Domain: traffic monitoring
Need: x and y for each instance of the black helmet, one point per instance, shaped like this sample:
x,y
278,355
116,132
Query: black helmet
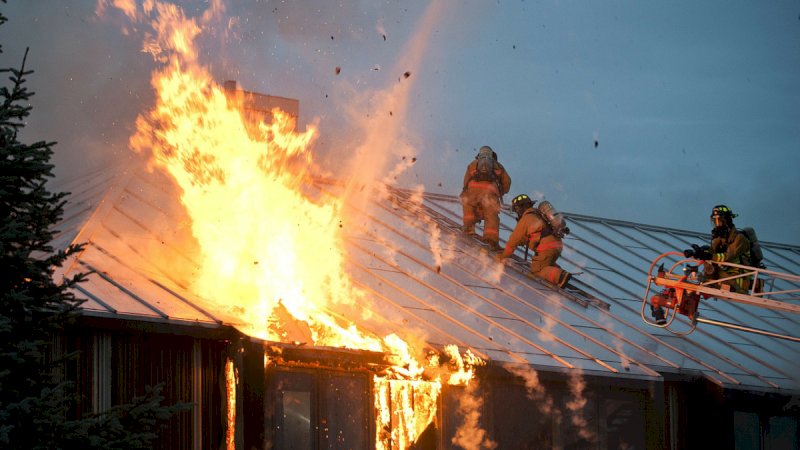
x,y
722,217
520,203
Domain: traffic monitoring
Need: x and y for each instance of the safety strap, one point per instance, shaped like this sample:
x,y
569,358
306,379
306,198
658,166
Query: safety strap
x,y
484,185
549,246
549,226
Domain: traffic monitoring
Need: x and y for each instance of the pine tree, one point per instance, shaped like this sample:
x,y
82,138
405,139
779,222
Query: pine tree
x,y
34,399
32,307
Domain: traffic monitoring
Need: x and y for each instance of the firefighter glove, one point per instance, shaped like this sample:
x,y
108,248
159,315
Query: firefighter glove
x,y
701,253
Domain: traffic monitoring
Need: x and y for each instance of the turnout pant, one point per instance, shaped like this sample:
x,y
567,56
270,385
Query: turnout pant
x,y
543,263
482,204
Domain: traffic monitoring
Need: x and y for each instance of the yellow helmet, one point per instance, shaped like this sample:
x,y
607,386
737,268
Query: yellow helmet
x,y
722,216
520,203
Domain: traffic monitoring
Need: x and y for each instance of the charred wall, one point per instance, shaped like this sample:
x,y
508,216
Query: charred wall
x,y
706,415
320,407
114,363
608,413
304,397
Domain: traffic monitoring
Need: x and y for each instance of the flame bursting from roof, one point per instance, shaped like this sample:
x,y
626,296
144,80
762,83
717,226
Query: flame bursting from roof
x,y
265,244
271,253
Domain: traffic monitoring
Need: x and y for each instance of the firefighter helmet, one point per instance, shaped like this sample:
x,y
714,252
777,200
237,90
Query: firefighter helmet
x,y
722,217
521,203
485,152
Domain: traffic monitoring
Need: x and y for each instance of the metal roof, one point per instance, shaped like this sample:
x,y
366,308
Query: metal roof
x,y
421,274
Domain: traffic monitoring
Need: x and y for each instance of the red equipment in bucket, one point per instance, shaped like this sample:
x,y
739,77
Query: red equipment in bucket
x,y
683,287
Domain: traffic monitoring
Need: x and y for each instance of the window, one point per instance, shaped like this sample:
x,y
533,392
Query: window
x,y
781,433
597,419
296,419
519,422
344,422
747,432
320,410
752,432
294,416
622,420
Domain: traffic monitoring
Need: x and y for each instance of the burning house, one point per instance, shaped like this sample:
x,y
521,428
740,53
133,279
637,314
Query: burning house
x,y
423,341
299,311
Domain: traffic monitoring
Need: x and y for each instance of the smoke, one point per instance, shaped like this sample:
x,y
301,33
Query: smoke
x,y
469,435
384,150
436,243
493,269
434,235
287,49
461,367
86,94
618,344
576,405
364,135
535,389
546,333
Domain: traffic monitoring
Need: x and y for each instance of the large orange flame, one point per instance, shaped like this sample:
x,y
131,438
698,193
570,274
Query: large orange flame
x,y
271,252
263,241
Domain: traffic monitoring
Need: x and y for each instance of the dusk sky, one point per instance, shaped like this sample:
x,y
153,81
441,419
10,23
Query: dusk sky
x,y
650,112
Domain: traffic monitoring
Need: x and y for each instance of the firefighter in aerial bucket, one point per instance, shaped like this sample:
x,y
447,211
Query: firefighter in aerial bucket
x,y
485,183
542,230
727,245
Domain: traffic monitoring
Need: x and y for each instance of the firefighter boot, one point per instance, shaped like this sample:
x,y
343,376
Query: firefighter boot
x,y
658,314
494,246
564,278
659,302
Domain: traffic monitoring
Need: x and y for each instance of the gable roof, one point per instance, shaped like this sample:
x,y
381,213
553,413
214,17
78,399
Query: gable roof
x,y
421,274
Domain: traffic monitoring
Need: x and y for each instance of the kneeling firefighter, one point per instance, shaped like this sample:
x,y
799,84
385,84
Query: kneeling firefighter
x,y
542,230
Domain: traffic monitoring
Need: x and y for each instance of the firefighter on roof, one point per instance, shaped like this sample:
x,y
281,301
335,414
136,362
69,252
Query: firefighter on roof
x,y
485,182
727,245
542,230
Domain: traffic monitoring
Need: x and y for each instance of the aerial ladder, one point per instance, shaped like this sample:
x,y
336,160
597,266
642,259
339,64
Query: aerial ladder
x,y
679,286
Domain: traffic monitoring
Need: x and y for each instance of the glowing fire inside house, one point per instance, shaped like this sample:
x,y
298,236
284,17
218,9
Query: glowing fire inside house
x,y
268,251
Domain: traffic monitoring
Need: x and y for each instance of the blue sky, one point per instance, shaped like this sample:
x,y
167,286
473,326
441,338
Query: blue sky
x,y
690,103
